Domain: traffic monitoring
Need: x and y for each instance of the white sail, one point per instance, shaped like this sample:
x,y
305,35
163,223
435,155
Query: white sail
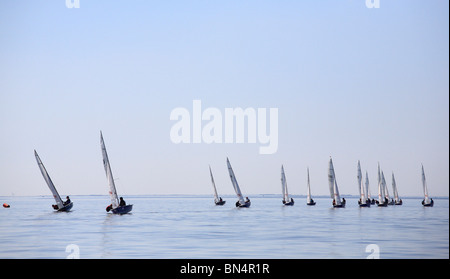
x,y
50,184
425,188
334,190
235,184
284,188
216,197
308,192
394,188
112,186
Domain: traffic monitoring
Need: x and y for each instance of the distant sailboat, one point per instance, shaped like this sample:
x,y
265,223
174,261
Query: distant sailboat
x,y
309,200
381,196
372,201
115,206
386,191
60,205
397,200
284,189
426,201
334,191
241,202
217,200
363,202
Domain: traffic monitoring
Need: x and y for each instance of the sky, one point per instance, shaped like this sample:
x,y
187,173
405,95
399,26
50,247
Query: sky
x,y
350,82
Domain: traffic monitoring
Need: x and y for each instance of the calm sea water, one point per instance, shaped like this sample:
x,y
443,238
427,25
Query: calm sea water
x,y
193,227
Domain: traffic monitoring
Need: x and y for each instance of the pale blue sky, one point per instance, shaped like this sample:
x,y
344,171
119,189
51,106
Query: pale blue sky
x,y
349,82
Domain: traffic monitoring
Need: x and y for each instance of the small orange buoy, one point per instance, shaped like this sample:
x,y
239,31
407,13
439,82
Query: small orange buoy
x,y
5,205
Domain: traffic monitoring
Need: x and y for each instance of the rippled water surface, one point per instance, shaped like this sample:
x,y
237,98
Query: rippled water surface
x,y
193,227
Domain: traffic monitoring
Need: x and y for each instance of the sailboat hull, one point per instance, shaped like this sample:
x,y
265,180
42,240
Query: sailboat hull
x,y
220,202
364,205
123,209
66,208
342,205
311,203
382,204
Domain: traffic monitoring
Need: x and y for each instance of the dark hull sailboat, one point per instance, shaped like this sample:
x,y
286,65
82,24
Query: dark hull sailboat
x,y
123,209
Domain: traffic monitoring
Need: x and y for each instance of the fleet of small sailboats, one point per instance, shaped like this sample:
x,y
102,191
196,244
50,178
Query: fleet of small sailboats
x,y
60,205
118,206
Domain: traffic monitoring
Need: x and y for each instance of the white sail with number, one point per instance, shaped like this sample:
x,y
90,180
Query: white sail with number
x,y
332,183
109,176
49,181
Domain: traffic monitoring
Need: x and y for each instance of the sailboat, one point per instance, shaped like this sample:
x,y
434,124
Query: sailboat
x,y
382,200
217,200
115,206
309,200
372,201
426,200
241,202
381,196
284,189
363,202
386,191
334,191
397,200
60,205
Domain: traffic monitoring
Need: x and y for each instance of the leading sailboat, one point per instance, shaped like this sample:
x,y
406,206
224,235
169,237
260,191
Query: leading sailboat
x,y
241,202
60,205
426,200
217,200
363,201
115,206
284,189
334,191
